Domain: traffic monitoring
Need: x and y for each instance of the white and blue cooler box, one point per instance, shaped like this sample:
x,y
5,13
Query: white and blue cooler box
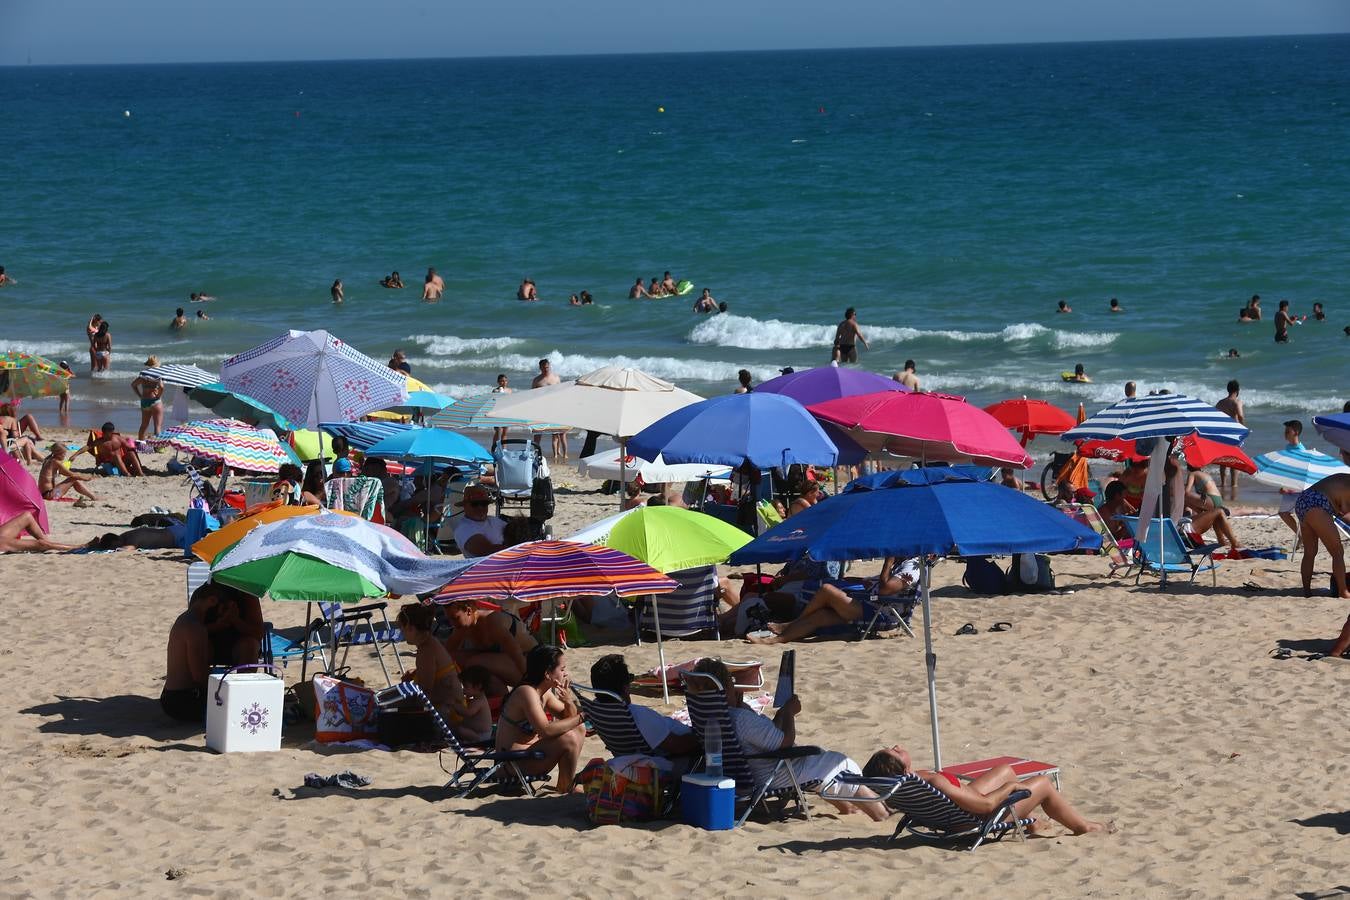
x,y
708,802
243,710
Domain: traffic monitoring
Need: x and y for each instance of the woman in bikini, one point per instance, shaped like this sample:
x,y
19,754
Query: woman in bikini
x,y
101,346
23,534
150,392
539,714
11,434
986,794
1317,509
91,332
434,671
493,639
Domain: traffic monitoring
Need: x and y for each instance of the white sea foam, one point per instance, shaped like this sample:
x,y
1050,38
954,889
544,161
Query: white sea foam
x,y
52,350
568,365
450,345
744,332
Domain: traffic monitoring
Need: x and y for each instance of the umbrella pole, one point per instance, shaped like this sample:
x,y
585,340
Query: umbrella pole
x,y
930,659
660,650
623,470
304,658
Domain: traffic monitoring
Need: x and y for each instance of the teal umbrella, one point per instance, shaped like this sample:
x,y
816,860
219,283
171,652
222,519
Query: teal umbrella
x,y
231,404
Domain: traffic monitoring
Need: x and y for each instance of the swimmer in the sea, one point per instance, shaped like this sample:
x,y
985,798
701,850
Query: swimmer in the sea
x,y
199,298
336,291
1318,313
392,280
655,290
586,298
1115,306
4,278
668,284
574,300
1064,307
637,291
202,316
705,303
526,291
179,320
1080,375
433,288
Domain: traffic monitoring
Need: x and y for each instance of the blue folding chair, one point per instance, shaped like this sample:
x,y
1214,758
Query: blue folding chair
x,y
1176,556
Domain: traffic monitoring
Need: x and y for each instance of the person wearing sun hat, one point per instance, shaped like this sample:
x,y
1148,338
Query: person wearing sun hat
x,y
478,533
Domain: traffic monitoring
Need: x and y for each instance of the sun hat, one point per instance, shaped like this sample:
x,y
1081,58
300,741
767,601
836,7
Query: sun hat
x,y
474,493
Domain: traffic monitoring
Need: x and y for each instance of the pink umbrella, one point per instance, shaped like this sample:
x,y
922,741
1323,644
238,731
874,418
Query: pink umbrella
x,y
19,492
933,427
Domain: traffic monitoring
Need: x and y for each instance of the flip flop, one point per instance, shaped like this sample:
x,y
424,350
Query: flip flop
x,y
968,628
1281,653
1314,657
1001,626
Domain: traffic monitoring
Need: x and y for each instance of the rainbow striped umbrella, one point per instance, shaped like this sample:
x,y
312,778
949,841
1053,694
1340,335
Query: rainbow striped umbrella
x,y
229,441
26,375
554,570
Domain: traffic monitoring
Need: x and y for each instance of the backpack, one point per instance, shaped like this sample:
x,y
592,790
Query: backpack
x,y
542,504
1031,572
983,576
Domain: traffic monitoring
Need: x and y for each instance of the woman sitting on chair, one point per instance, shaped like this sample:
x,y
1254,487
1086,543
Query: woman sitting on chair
x,y
983,796
434,670
491,638
540,714
832,605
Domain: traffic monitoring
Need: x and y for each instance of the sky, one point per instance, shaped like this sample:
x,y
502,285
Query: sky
x,y
149,31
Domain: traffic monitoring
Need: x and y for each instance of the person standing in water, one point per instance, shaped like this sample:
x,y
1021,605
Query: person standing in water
x,y
336,291
1231,406
179,320
433,287
908,376
847,335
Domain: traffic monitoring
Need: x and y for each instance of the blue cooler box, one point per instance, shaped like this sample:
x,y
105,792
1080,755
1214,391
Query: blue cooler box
x,y
708,802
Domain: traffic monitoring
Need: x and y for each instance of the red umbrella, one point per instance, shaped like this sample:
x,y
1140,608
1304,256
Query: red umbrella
x,y
1031,417
1198,451
933,427
1114,449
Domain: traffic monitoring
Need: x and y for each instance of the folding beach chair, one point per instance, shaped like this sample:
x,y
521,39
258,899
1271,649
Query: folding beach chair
x,y
256,492
1176,556
198,574
688,610
710,706
362,495
355,626
517,465
893,611
930,815
279,650
1088,515
477,766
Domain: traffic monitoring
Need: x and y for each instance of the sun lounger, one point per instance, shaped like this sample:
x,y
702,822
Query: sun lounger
x,y
1088,515
710,706
930,815
688,610
477,766
1176,556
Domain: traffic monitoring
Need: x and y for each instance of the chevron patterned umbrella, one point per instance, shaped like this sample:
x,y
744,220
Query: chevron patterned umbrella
x,y
229,441
554,570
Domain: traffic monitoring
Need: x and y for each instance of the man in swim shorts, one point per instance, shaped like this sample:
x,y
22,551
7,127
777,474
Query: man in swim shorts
x,y
846,338
433,287
189,660
668,283
1282,322
1231,406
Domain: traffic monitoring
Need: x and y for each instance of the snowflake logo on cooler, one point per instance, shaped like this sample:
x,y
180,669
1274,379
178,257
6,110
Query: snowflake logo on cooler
x,y
254,719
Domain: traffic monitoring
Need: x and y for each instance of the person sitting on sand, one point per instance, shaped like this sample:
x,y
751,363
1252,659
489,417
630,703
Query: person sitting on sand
x,y
1008,478
705,302
1113,507
434,670
983,796
312,490
114,454
189,660
832,605
16,425
11,433
286,487
760,734
491,638
540,714
1205,511
23,534
56,479
477,725
1080,375
662,733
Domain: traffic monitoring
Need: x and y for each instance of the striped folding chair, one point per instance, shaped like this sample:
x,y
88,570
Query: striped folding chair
x,y
476,766
930,815
608,714
709,706
355,626
688,610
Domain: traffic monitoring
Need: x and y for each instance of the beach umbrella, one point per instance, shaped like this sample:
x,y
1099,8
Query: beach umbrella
x,y
233,405
312,376
808,386
426,448
363,435
420,403
1031,417
1334,428
944,514
226,536
26,375
605,464
1296,468
19,492
179,375
329,557
306,445
1198,452
598,531
932,427
671,539
764,430
553,570
228,441
479,411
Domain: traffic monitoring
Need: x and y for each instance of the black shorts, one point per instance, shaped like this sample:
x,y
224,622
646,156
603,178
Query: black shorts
x,y
187,704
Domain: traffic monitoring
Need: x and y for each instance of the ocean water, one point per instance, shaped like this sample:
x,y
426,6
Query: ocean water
x,y
952,195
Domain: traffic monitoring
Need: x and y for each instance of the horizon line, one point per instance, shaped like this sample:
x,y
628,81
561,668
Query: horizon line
x,y
516,56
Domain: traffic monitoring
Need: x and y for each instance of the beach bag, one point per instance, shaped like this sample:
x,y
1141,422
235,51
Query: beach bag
x,y
542,504
752,614
343,711
615,796
983,576
1031,572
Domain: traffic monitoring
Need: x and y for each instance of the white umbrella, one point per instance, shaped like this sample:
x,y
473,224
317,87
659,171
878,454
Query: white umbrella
x,y
611,400
312,376
605,464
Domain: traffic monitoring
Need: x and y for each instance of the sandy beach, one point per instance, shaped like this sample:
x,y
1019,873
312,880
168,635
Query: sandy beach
x,y
1223,768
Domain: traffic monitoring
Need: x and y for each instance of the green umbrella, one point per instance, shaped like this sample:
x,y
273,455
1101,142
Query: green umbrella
x,y
671,539
297,576
225,402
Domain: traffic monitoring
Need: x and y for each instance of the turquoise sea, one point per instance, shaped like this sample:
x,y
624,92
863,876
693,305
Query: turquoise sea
x,y
953,195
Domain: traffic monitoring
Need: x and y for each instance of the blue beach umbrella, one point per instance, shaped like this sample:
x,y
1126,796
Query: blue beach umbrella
x,y
765,430
952,516
228,404
429,445
1334,428
419,403
1295,468
362,435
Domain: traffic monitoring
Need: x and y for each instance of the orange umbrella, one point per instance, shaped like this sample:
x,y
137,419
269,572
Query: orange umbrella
x,y
211,546
1082,414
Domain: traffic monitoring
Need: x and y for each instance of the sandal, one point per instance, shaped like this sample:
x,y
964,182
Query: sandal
x,y
1282,653
968,628
1001,626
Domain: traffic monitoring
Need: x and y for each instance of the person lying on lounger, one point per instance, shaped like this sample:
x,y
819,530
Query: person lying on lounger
x,y
985,794
832,605
760,734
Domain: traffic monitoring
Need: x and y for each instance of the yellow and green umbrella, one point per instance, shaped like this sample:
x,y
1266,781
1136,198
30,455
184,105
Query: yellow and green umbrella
x,y
671,539
26,375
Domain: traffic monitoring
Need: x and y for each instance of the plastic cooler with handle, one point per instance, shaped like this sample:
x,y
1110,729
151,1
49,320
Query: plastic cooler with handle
x,y
243,709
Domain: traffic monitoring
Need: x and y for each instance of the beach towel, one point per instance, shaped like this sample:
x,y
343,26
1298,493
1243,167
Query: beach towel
x,y
362,495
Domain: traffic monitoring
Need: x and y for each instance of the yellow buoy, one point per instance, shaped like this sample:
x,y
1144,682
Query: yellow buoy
x,y
660,109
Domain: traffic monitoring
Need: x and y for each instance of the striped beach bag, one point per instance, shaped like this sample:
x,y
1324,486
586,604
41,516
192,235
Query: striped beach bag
x,y
615,796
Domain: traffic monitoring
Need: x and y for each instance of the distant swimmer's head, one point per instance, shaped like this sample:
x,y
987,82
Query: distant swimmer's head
x,y
1115,304
1233,353
707,292
1079,370
544,365
786,370
667,275
65,364
1256,298
1244,314
722,307
192,297
1284,304
850,313
501,380
1063,306
1347,334
201,314
178,312
639,280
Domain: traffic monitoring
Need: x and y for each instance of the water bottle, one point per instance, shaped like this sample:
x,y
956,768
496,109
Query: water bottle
x,y
548,532
712,750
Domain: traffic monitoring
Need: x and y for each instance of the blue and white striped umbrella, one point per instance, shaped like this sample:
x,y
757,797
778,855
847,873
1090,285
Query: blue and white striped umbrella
x,y
1159,415
1334,428
1296,468
361,435
179,375
476,412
